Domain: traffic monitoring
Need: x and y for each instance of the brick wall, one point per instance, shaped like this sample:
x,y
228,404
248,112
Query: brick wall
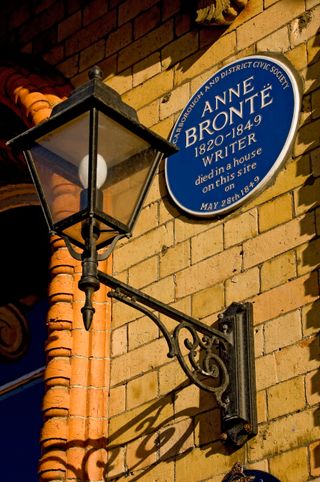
x,y
267,252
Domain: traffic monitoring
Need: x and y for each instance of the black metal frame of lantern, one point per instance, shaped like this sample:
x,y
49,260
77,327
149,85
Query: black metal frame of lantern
x,y
92,163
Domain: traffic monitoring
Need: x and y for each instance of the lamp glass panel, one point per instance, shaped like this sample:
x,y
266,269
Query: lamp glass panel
x,y
129,160
56,157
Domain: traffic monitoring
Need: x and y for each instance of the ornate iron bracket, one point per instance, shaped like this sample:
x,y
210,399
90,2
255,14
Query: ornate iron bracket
x,y
220,361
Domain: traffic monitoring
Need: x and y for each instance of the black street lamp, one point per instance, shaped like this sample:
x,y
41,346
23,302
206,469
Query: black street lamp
x,y
92,163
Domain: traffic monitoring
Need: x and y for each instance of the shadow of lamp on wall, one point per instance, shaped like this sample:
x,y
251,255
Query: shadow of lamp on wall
x,y
92,163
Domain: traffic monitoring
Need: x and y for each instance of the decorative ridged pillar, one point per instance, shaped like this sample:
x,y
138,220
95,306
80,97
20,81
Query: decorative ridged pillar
x,y
73,438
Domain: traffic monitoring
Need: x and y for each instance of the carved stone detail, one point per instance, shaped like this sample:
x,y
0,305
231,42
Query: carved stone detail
x,y
218,12
13,333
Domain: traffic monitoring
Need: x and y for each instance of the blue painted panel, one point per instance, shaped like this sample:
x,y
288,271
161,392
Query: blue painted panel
x,y
233,135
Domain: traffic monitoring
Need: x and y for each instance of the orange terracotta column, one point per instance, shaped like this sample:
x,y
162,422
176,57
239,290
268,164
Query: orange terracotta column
x,y
73,438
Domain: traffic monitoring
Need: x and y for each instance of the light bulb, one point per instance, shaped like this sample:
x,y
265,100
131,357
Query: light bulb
x,y
102,171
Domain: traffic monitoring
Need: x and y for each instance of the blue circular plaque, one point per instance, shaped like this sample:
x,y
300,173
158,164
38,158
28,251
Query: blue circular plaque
x,y
233,135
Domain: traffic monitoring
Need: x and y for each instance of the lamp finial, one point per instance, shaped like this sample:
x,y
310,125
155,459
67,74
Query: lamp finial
x,y
95,73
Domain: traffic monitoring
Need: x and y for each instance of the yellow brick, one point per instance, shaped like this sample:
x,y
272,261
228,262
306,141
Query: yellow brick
x,y
176,102
207,244
191,401
202,61
183,305
297,359
146,69
262,406
312,387
167,212
195,467
198,81
138,361
268,3
141,331
275,42
208,301
315,99
294,174
121,83
258,341
116,461
138,459
278,270
286,397
241,228
243,286
149,115
178,49
310,318
207,427
144,273
301,32
306,197
180,439
150,90
174,259
117,400
135,251
154,193
314,450
145,45
298,56
122,314
184,229
275,212
171,377
278,240
315,157
142,389
119,341
305,139
291,466
269,21
208,272
313,48
308,257
291,431
311,83
261,465
266,373
163,290
134,423
285,298
164,128
163,472
251,10
282,331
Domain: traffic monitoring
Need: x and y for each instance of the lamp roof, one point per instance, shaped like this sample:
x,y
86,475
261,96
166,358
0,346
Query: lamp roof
x,y
93,93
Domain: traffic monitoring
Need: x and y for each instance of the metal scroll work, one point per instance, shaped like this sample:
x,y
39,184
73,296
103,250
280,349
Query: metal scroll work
x,y
218,12
219,361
